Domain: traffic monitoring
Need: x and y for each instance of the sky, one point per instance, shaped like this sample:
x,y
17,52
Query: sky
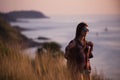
x,y
67,7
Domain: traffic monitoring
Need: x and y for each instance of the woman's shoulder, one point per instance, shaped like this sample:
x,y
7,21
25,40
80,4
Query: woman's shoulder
x,y
74,43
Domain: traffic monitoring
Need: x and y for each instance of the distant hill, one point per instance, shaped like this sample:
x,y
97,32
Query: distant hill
x,y
14,15
8,34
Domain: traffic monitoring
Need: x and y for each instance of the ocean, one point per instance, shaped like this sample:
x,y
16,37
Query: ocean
x,y
104,33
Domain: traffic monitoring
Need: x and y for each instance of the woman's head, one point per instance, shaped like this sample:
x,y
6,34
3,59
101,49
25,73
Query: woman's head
x,y
81,30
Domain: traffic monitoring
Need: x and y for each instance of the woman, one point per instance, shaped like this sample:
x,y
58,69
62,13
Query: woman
x,y
78,53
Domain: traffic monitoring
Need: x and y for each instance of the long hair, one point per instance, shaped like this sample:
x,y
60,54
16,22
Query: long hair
x,y
79,28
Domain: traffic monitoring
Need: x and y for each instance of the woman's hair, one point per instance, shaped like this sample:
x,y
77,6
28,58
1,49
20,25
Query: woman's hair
x,y
79,28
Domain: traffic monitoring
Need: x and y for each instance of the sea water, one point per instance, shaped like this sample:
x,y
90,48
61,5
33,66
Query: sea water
x,y
104,33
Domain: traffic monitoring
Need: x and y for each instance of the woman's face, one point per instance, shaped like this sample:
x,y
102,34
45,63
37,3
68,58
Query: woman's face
x,y
85,31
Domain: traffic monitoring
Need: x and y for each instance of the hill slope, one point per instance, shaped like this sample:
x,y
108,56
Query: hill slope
x,y
8,34
14,15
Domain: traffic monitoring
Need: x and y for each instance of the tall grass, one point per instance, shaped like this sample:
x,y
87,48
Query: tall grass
x,y
51,67
15,65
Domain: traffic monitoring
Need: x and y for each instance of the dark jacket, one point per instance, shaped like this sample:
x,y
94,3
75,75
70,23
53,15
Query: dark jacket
x,y
76,54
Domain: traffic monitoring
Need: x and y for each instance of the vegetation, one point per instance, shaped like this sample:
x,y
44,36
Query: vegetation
x,y
15,65
10,35
53,46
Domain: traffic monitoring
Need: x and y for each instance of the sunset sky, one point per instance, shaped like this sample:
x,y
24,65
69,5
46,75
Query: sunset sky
x,y
67,7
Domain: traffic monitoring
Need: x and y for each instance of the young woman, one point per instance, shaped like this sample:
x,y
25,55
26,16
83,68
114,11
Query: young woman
x,y
78,52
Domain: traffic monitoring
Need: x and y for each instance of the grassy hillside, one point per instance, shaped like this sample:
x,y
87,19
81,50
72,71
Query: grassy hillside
x,y
15,65
8,34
